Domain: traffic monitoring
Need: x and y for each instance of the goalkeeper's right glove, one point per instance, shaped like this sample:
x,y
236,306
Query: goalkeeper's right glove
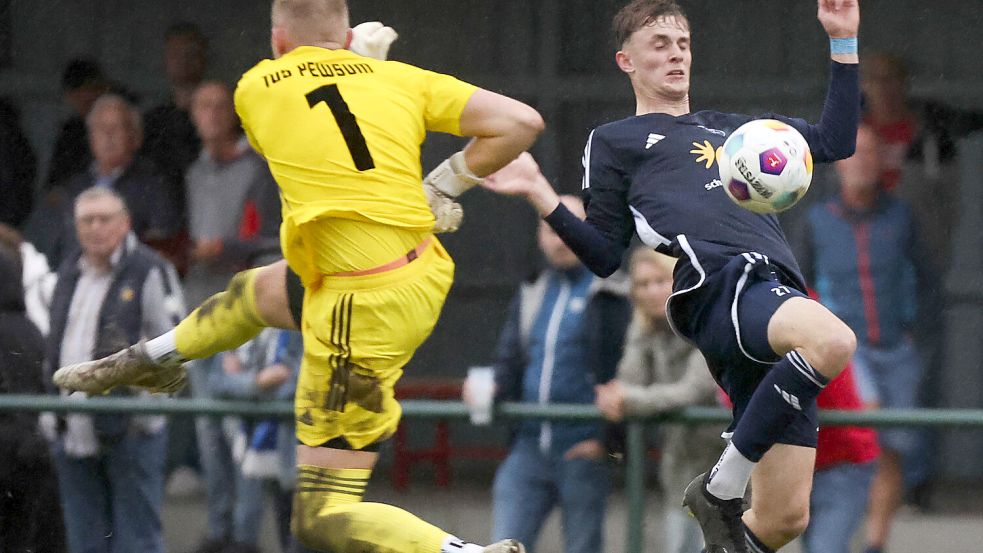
x,y
442,187
372,39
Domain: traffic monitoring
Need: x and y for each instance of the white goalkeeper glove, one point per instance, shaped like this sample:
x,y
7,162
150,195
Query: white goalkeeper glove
x,y
372,39
442,187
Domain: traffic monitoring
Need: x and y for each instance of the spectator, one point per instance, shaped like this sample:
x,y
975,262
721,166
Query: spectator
x,y
115,135
918,140
661,372
17,169
234,208
110,466
234,215
845,464
38,279
29,520
563,335
171,139
82,83
264,368
917,145
869,270
908,130
39,283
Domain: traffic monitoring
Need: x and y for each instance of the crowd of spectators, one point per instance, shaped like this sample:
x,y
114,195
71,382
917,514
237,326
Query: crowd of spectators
x,y
140,214
137,211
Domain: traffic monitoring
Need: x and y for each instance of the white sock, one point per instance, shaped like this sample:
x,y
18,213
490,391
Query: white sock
x,y
162,349
729,477
453,544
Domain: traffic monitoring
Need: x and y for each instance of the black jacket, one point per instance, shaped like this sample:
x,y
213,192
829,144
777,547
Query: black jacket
x,y
155,210
21,356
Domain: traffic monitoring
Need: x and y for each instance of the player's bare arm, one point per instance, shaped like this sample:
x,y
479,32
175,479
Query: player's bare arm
x,y
501,128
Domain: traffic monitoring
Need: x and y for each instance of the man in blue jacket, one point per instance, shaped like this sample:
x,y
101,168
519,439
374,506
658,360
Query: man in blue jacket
x,y
862,256
563,335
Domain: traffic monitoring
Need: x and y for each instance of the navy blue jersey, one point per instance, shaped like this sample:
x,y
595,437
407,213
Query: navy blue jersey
x,y
656,175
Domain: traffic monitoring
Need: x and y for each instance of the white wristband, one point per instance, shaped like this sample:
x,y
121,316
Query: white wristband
x,y
453,177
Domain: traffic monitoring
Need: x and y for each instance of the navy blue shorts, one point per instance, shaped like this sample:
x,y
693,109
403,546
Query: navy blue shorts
x,y
727,318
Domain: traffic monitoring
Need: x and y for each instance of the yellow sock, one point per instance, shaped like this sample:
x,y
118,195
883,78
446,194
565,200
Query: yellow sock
x,y
222,322
329,516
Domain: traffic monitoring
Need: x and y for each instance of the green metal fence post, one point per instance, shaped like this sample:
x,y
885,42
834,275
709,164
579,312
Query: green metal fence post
x,y
635,485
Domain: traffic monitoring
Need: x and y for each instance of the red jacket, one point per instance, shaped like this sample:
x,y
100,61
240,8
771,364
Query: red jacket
x,y
844,444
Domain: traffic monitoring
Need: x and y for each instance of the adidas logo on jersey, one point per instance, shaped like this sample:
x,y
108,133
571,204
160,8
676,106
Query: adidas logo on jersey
x,y
789,398
652,140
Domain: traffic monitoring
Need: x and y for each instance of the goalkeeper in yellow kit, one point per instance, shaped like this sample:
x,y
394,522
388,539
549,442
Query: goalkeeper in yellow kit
x,y
342,136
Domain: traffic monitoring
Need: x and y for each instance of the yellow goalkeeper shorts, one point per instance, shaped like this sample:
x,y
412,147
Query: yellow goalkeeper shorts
x,y
359,332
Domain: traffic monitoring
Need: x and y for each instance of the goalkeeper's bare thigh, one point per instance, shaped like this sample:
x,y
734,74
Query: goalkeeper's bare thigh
x,y
276,287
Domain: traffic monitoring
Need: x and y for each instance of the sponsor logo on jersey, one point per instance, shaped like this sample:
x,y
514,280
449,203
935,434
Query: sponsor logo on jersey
x,y
713,184
705,153
653,139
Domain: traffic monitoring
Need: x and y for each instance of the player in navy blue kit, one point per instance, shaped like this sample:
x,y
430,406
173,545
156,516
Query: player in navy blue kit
x,y
738,292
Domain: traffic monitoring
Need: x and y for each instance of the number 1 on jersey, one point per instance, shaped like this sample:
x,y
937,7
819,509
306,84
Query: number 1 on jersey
x,y
330,95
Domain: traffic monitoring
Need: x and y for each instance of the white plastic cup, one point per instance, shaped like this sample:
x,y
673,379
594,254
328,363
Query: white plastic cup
x,y
480,391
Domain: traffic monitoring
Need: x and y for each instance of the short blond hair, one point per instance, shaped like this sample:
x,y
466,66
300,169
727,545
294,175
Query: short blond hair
x,y
312,21
646,256
649,256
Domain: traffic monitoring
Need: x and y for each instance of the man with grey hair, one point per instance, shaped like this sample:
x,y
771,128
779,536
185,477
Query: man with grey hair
x,y
115,132
111,292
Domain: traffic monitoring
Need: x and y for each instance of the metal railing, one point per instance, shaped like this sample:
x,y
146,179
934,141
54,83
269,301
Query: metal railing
x,y
423,409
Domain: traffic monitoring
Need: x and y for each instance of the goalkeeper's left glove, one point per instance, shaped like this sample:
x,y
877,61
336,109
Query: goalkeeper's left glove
x,y
372,39
442,187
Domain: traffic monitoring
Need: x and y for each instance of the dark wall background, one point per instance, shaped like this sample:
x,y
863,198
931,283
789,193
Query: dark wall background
x,y
750,55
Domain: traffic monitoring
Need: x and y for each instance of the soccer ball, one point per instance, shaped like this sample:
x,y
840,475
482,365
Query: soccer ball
x,y
765,166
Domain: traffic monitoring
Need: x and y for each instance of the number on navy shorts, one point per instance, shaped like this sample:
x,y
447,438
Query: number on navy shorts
x,y
354,139
781,291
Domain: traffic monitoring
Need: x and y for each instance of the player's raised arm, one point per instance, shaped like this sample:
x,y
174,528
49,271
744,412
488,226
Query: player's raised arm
x,y
502,128
834,136
841,19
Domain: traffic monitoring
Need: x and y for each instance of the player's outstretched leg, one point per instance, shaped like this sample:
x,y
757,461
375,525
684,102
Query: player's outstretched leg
x,y
254,299
329,515
782,409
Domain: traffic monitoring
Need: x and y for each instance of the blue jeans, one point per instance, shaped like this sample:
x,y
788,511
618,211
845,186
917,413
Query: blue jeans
x,y
892,377
529,484
215,456
112,501
837,507
250,504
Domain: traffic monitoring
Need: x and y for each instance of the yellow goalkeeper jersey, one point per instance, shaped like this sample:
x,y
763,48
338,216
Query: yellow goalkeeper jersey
x,y
342,136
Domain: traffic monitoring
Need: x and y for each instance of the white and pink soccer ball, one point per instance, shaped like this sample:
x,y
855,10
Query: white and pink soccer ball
x,y
765,166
